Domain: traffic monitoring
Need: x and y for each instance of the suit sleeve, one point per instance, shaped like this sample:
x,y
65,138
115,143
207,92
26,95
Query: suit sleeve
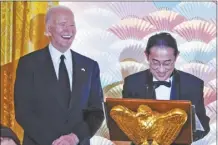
x,y
201,113
93,115
96,116
33,126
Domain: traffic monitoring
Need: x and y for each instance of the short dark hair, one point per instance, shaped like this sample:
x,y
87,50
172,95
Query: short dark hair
x,y
162,39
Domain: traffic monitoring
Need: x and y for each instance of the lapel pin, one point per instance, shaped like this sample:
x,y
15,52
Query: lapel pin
x,y
82,69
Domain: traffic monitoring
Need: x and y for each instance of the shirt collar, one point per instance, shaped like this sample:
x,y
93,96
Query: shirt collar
x,y
55,54
167,80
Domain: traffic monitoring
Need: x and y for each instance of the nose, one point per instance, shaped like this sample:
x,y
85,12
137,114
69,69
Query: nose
x,y
66,28
161,69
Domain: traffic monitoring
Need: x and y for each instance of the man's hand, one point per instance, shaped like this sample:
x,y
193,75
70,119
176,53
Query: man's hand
x,y
7,141
70,139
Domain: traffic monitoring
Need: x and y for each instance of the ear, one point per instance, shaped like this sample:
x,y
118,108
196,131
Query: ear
x,y
48,30
147,56
177,55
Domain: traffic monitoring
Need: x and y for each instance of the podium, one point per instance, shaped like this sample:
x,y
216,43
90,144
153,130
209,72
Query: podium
x,y
116,134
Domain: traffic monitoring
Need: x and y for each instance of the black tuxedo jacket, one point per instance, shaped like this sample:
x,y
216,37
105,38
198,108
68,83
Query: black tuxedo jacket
x,y
39,106
184,87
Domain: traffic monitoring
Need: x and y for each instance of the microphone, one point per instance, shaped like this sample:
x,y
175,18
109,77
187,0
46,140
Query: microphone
x,y
150,90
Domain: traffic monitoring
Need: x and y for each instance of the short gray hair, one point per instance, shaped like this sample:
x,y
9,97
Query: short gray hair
x,y
52,9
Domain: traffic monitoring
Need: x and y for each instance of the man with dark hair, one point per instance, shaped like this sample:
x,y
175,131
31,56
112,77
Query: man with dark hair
x,y
163,82
58,94
8,137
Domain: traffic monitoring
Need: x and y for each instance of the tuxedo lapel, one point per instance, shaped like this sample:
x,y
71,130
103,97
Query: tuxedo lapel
x,y
48,68
150,90
49,76
79,76
175,89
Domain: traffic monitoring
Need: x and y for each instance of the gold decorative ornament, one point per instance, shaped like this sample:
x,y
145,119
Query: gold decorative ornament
x,y
146,125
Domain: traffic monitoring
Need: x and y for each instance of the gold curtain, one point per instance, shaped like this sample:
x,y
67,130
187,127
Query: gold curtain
x,y
22,31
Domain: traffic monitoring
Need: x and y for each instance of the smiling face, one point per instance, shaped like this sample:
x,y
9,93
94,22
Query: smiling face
x,y
161,61
61,28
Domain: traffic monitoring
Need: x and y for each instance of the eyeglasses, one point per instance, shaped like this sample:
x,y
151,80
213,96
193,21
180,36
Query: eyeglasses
x,y
154,64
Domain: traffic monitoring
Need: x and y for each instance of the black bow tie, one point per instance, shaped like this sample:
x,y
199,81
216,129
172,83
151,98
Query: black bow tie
x,y
158,83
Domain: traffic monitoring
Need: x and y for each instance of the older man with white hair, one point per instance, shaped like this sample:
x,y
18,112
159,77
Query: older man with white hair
x,y
58,94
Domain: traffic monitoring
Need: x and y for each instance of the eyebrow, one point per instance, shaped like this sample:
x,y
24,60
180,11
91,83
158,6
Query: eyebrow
x,y
66,23
159,60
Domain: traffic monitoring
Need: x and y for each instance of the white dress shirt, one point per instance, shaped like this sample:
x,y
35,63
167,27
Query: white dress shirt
x,y
55,56
163,92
